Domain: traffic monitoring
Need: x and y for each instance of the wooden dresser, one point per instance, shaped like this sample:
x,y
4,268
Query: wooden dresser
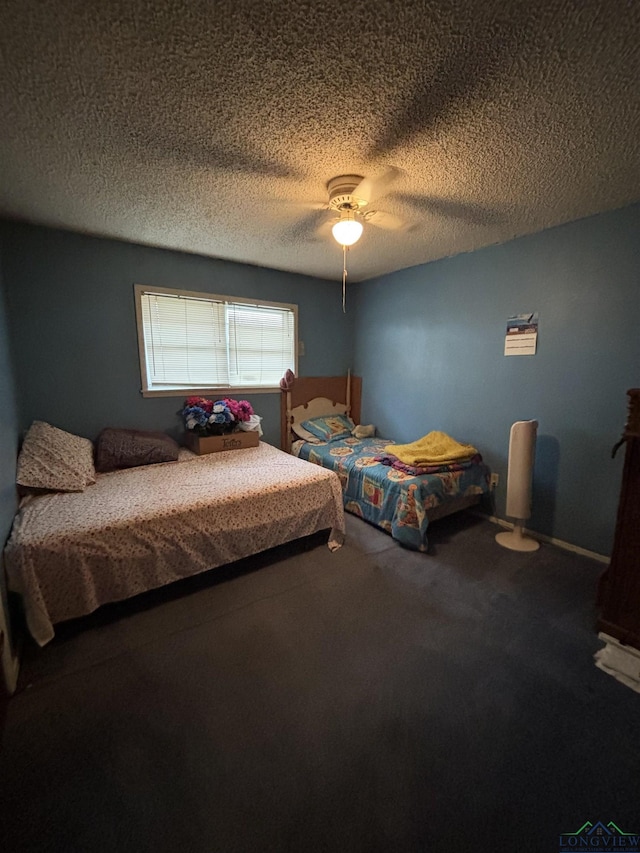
x,y
619,586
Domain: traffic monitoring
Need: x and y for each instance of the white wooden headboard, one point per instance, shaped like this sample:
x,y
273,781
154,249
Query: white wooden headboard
x,y
316,408
315,396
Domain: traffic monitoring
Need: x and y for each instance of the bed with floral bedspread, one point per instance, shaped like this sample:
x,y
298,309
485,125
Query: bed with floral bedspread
x,y
136,529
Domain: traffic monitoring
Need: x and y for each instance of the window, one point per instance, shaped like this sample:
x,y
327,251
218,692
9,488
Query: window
x,y
198,341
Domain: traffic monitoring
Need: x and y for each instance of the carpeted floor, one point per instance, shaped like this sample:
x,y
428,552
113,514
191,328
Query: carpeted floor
x,y
373,699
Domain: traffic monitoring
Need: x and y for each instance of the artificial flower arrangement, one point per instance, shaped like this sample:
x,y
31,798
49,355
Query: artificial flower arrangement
x,y
214,417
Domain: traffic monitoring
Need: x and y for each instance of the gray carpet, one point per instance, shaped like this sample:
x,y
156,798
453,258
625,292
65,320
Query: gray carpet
x,y
373,699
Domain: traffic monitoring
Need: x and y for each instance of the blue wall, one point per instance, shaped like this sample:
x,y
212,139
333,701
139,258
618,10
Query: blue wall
x,y
429,343
72,312
8,453
8,425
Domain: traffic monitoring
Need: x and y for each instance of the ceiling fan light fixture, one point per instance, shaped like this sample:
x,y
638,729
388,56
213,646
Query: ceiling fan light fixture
x,y
347,230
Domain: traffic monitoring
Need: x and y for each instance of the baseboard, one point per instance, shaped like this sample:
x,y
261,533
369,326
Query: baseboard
x,y
576,549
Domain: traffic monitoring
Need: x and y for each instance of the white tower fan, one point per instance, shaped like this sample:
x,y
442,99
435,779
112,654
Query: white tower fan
x,y
522,449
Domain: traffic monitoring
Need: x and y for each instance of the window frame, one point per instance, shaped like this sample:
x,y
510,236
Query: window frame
x,y
147,391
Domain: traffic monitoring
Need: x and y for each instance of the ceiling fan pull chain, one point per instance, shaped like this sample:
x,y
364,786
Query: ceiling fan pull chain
x,y
344,279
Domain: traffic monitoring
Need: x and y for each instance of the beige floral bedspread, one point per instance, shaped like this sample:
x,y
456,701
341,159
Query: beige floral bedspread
x,y
141,528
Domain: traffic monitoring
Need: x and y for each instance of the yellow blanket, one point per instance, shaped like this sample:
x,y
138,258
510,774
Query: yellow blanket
x,y
435,448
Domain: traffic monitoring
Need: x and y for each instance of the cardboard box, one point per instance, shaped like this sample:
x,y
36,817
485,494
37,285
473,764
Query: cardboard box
x,y
215,443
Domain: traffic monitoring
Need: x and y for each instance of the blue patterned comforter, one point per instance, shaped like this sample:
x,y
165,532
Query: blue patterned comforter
x,y
392,500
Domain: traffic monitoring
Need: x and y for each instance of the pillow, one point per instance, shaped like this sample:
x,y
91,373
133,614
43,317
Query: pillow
x,y
330,427
364,431
129,448
55,460
304,434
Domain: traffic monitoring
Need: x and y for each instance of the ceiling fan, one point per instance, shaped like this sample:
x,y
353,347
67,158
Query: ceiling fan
x,y
350,197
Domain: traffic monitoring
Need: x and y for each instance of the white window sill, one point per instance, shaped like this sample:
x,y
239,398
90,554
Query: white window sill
x,y
207,392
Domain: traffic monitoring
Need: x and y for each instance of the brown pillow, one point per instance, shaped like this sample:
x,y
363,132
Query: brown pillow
x,y
129,448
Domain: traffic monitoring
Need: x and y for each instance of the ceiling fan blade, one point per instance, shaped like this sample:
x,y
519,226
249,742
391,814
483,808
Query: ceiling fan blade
x,y
476,214
314,226
324,229
385,220
375,186
299,205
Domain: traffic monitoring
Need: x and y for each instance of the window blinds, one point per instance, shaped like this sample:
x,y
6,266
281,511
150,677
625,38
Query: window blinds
x,y
203,343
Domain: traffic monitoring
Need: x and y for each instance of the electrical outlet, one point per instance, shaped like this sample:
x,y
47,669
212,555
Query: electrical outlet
x,y
493,482
300,347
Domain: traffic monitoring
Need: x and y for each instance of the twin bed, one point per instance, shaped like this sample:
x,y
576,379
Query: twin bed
x,y
398,502
132,530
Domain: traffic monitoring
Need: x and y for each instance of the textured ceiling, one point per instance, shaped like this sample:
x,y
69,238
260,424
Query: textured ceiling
x,y
213,127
